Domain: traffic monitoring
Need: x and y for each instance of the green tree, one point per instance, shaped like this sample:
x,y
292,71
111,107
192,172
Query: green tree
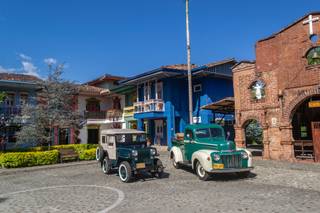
x,y
54,108
254,133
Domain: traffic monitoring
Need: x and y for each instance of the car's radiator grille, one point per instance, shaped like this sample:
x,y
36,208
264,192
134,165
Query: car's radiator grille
x,y
231,161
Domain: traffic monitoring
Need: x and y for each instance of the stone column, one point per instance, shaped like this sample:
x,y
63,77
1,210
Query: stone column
x,y
240,137
287,143
266,144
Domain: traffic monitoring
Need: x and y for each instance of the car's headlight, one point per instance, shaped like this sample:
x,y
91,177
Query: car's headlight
x,y
244,155
153,151
216,157
134,153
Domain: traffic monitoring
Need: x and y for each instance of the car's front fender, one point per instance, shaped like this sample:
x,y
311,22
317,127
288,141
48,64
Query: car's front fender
x,y
204,157
250,163
176,151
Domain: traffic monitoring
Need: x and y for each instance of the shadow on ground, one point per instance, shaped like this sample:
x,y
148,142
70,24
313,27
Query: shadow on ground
x,y
222,177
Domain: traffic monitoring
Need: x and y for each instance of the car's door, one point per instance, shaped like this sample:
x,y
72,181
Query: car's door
x,y
189,144
111,147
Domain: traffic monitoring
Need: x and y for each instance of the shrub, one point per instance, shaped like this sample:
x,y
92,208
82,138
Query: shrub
x,y
24,159
89,154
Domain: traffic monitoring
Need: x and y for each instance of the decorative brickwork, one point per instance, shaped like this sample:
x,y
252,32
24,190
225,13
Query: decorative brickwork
x,y
282,65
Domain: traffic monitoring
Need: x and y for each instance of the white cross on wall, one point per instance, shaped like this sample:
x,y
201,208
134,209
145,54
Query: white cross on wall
x,y
310,22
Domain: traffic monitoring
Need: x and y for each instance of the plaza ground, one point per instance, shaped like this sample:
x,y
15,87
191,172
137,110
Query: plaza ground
x,y
273,187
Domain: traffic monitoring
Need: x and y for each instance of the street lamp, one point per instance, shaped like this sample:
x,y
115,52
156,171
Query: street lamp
x,y
189,63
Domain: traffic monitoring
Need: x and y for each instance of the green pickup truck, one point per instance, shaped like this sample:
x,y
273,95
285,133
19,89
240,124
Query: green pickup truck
x,y
205,148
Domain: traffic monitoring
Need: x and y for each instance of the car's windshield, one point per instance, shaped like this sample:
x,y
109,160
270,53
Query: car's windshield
x,y
208,133
131,138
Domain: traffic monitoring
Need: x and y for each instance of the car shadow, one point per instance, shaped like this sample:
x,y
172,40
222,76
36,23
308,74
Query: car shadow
x,y
220,176
3,199
148,177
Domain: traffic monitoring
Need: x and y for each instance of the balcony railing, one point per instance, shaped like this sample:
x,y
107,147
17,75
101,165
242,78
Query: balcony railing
x,y
110,115
114,115
95,115
152,105
128,111
9,111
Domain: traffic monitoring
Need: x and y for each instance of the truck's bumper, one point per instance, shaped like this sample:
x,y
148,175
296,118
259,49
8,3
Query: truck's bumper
x,y
231,170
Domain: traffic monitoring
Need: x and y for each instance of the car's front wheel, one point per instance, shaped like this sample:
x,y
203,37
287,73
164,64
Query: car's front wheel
x,y
125,172
201,172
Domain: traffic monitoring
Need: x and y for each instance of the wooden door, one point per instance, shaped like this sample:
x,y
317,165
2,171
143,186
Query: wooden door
x,y
316,140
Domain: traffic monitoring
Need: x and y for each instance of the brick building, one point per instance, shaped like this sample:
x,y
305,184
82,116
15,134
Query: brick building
x,y
281,91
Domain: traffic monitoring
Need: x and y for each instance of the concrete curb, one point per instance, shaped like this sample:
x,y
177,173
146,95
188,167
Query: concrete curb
x,y
5,171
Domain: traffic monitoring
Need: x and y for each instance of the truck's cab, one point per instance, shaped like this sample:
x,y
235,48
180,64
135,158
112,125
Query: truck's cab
x,y
205,148
126,150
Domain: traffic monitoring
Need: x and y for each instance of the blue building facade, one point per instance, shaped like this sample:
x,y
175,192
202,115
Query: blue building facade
x,y
161,108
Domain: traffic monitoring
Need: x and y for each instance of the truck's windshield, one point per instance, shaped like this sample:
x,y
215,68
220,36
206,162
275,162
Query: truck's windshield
x,y
209,133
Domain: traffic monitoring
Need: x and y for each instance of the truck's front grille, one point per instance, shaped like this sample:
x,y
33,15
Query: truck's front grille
x,y
231,161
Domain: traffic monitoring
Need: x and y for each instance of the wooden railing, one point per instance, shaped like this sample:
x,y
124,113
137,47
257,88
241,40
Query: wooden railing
x,y
128,111
152,105
111,115
303,149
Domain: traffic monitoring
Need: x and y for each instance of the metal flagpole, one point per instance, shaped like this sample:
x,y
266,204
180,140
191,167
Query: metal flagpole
x,y
189,63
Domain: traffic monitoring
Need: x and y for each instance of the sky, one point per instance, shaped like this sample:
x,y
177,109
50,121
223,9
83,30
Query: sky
x,y
125,37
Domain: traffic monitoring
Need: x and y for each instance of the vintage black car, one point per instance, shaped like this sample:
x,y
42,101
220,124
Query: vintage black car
x,y
126,150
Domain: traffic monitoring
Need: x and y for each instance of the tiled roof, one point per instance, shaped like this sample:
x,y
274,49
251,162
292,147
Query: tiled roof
x,y
103,78
179,66
86,89
18,77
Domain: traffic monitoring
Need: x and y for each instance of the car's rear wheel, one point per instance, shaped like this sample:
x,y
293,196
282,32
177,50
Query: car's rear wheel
x,y
125,172
99,154
106,166
174,162
201,172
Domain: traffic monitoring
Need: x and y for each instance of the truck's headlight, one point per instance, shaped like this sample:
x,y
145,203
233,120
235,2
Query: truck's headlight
x,y
134,153
153,151
216,157
244,155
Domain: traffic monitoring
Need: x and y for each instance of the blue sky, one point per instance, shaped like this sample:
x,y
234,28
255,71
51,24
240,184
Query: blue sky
x,y
126,37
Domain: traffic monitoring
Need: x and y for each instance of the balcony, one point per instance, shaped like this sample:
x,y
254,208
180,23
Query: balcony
x,y
128,111
108,115
114,115
95,115
10,111
152,105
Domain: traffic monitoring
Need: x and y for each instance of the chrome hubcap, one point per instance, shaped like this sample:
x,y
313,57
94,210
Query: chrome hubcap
x,y
123,172
201,171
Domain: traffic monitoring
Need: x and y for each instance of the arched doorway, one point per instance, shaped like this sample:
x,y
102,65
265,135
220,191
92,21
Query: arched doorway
x,y
304,127
254,137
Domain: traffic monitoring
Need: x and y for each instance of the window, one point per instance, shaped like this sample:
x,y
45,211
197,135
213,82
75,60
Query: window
x,y
258,90
189,134
197,88
24,99
203,133
216,133
159,90
93,105
313,56
103,139
10,99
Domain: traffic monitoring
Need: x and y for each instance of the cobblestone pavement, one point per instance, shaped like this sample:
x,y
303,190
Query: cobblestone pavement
x,y
273,187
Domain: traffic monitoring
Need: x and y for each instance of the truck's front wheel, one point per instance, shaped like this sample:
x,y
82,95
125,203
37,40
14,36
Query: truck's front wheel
x,y
125,172
174,162
201,172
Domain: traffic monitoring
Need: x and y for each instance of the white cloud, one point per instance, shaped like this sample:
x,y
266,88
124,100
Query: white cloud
x,y
25,57
29,68
2,69
50,61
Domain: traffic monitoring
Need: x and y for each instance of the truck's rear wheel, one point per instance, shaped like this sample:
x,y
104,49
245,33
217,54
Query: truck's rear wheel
x,y
125,172
201,172
174,162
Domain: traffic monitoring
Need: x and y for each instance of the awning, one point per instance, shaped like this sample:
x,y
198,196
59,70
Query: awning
x,y
223,106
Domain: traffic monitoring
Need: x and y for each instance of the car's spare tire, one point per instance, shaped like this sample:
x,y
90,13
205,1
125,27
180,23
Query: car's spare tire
x,y
99,154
